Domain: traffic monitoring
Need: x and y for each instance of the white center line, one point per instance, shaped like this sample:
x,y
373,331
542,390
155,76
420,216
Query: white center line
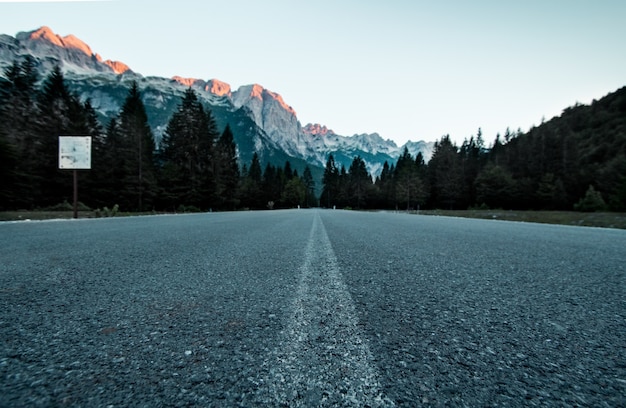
x,y
323,358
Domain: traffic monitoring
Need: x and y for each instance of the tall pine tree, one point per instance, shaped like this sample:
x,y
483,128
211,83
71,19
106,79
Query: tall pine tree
x,y
330,180
136,150
227,170
187,155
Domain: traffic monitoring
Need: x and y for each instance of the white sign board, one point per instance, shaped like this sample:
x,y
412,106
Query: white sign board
x,y
75,152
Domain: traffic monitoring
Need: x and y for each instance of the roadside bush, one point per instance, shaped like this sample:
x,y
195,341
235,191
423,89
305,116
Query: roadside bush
x,y
106,212
591,202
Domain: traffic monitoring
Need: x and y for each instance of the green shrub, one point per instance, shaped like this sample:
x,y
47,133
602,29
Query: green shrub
x,y
591,202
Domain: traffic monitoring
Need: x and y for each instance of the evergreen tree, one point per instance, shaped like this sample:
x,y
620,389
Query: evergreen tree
x,y
309,188
494,187
137,150
408,185
271,186
110,166
251,194
330,180
227,170
91,192
294,193
60,114
187,155
445,175
591,202
18,113
385,188
471,160
359,183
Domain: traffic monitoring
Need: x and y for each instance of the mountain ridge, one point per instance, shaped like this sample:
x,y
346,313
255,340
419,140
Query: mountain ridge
x,y
278,132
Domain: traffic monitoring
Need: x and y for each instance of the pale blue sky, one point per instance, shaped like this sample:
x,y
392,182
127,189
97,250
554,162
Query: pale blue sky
x,y
409,70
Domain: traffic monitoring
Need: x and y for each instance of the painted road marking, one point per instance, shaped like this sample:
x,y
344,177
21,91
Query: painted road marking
x,y
323,358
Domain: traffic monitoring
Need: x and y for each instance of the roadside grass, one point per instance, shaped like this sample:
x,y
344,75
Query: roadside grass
x,y
592,219
587,219
55,215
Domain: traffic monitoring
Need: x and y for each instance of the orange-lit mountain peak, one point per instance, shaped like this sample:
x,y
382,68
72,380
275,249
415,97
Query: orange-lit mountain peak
x,y
315,129
282,103
257,91
218,87
46,33
189,82
70,41
117,67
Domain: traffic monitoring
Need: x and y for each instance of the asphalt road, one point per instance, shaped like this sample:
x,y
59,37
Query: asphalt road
x,y
311,308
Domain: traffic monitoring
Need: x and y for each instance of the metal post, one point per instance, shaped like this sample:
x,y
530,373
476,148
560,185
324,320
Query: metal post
x,y
75,194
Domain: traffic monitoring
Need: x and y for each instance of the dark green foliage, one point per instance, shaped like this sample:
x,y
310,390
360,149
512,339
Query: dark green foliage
x,y
359,184
136,151
408,176
549,167
226,171
309,188
187,156
18,109
294,193
445,176
494,187
250,190
592,201
330,180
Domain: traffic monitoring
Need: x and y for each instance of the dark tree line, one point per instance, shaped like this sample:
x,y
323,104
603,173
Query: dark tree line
x,y
575,161
276,187
31,120
195,167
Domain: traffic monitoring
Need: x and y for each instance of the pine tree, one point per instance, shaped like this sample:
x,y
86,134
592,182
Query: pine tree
x,y
227,170
495,187
91,192
360,183
591,202
60,114
251,193
330,180
18,111
271,185
137,150
294,193
309,188
385,188
408,185
187,155
446,179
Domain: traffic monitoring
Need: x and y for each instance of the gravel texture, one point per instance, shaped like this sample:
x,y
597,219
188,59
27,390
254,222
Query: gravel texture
x,y
311,308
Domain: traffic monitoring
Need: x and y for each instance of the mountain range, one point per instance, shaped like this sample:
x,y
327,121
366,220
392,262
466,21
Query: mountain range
x,y
261,120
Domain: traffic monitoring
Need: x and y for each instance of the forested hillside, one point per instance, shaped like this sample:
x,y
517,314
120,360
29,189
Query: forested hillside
x,y
574,161
195,167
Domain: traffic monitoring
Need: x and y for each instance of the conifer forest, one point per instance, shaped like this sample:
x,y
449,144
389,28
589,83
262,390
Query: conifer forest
x,y
576,161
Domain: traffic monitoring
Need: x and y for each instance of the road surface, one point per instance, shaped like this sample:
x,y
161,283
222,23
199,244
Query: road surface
x,y
311,308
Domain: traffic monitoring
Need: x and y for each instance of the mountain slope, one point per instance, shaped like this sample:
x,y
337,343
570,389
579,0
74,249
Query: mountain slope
x,y
260,119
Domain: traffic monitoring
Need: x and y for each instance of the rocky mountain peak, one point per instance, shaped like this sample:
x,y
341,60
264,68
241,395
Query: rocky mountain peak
x,y
218,88
46,34
315,129
246,93
276,131
66,50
